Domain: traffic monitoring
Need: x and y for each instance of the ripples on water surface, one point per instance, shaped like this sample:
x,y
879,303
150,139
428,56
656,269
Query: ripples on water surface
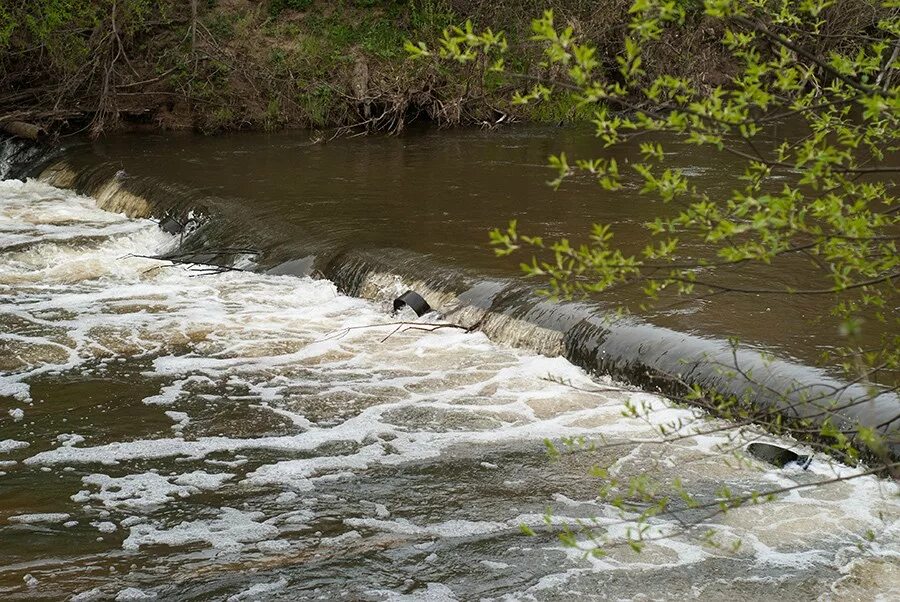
x,y
438,192
234,436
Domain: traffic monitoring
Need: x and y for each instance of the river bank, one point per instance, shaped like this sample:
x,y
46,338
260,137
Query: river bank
x,y
271,64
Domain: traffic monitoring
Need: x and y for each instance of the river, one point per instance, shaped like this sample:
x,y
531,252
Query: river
x,y
174,433
438,193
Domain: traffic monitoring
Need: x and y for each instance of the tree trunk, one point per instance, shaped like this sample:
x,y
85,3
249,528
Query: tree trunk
x,y
20,129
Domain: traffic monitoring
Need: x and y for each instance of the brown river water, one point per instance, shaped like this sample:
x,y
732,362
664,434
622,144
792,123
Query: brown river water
x,y
438,193
172,434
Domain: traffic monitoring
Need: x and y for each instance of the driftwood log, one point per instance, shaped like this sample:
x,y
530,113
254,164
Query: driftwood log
x,y
21,129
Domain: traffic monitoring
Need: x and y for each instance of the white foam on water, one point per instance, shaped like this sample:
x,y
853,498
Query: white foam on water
x,y
179,417
69,439
36,212
229,532
433,592
16,390
294,517
297,352
259,591
296,473
276,547
60,272
342,539
8,445
104,526
147,491
31,519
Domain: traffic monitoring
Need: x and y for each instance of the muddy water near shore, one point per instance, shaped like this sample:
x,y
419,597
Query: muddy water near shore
x,y
242,436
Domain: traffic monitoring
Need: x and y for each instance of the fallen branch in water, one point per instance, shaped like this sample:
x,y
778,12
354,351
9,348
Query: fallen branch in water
x,y
610,389
202,269
423,326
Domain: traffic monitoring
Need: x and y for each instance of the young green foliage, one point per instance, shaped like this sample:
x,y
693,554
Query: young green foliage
x,y
825,189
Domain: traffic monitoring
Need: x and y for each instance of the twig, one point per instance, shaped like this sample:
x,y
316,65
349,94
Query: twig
x,y
413,326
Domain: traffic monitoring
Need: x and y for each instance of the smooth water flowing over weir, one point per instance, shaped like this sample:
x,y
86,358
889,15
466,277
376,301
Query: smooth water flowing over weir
x,y
248,435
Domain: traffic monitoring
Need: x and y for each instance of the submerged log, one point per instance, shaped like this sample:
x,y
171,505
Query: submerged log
x,y
21,129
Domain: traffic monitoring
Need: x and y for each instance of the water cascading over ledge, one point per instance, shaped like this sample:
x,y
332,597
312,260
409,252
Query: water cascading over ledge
x,y
19,156
507,311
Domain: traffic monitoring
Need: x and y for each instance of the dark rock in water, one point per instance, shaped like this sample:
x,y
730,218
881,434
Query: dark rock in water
x,y
170,225
778,456
414,301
